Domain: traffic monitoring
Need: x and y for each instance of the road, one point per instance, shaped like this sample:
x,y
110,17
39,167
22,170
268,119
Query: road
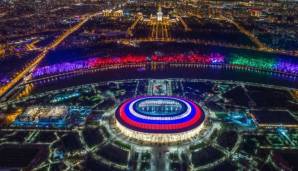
x,y
204,42
251,36
186,28
22,74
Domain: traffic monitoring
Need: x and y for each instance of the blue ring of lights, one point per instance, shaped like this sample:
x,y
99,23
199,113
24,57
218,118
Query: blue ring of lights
x,y
176,123
182,110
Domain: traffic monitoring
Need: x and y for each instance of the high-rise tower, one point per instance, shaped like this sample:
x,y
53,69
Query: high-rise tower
x,y
159,13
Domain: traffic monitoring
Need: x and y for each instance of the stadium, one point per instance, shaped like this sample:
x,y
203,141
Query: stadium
x,y
148,86
159,119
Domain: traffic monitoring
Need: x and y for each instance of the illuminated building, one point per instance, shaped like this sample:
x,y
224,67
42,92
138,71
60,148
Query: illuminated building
x,y
118,13
159,119
106,13
159,14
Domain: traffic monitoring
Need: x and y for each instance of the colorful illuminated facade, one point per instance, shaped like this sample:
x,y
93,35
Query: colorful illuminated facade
x,y
159,119
54,116
279,64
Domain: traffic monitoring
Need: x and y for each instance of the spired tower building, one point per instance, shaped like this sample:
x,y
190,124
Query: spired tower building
x,y
159,13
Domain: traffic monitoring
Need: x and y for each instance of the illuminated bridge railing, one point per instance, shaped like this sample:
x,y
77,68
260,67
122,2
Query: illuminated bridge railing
x,y
272,64
279,65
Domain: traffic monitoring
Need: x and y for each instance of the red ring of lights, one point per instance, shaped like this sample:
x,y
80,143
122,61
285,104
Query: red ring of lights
x,y
126,118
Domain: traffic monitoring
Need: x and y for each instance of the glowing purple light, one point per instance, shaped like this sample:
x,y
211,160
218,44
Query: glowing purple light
x,y
217,58
287,66
60,68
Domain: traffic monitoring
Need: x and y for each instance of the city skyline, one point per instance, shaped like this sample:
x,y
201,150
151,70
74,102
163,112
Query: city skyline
x,y
140,85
